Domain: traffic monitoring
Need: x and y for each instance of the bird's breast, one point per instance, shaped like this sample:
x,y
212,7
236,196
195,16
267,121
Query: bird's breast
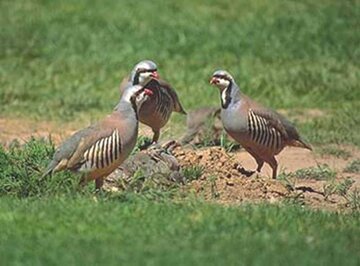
x,y
233,121
157,111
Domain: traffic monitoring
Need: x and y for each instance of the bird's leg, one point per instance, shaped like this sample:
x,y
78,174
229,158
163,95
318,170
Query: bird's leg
x,y
83,181
99,182
260,165
155,139
259,161
156,136
273,164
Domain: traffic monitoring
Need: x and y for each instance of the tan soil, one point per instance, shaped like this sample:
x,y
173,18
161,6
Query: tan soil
x,y
22,130
222,182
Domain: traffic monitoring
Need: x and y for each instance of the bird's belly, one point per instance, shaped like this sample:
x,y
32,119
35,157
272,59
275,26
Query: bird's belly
x,y
96,173
240,136
153,116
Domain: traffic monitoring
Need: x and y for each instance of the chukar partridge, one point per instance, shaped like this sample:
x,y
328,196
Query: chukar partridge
x,y
199,121
156,112
261,131
99,149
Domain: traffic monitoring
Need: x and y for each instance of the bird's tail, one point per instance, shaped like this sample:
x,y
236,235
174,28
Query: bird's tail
x,y
301,144
46,173
49,169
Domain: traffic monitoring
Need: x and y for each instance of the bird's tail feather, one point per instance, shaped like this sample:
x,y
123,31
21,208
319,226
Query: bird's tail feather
x,y
46,173
49,170
301,144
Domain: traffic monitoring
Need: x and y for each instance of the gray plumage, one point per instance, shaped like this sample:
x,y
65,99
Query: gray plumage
x,y
156,112
261,131
100,148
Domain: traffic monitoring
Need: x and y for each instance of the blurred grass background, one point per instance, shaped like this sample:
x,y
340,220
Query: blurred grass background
x,y
63,60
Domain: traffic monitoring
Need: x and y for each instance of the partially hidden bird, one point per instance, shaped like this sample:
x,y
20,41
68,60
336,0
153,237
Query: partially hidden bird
x,y
99,149
156,112
261,131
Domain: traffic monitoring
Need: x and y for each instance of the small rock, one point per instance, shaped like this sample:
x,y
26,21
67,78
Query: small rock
x,y
230,183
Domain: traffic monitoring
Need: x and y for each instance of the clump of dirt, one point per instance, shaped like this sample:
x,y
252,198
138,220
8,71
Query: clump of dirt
x,y
214,160
222,182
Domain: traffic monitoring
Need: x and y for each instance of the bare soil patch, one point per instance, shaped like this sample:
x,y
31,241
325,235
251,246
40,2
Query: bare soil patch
x,y
222,182
22,130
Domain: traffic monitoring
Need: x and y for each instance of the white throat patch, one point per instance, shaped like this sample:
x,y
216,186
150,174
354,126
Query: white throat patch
x,y
223,95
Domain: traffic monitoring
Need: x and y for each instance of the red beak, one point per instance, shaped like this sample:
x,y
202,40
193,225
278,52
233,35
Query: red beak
x,y
214,81
155,75
148,92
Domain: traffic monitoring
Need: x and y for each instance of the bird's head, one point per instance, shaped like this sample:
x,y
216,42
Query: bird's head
x,y
143,72
221,79
136,95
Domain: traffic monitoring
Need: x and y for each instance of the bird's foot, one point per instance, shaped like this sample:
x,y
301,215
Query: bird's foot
x,y
146,145
245,172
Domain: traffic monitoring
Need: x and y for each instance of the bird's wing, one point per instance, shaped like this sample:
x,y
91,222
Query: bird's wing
x,y
279,122
124,84
92,147
97,150
171,91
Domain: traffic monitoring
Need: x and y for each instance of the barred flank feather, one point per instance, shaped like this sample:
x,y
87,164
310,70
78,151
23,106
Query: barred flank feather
x,y
104,152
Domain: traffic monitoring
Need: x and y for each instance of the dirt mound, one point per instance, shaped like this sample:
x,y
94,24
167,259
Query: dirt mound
x,y
222,182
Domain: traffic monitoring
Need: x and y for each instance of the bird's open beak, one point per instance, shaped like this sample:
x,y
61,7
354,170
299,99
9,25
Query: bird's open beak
x,y
148,92
214,81
155,75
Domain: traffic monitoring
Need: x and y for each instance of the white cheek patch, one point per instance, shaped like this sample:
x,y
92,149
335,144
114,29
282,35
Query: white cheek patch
x,y
223,96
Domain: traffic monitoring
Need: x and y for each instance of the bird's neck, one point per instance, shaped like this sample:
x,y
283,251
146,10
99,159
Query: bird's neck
x,y
134,78
128,109
230,95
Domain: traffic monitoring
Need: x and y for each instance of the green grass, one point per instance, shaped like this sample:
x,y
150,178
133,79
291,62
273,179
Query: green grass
x,y
21,168
63,60
193,172
353,167
335,151
112,232
319,172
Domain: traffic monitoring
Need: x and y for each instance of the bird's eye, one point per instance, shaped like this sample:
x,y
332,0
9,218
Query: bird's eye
x,y
140,70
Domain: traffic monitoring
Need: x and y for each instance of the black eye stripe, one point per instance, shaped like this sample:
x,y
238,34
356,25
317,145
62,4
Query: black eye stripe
x,y
222,77
146,70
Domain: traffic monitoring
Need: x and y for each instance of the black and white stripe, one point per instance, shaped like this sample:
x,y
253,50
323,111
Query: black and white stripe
x,y
163,103
136,79
103,152
262,133
226,96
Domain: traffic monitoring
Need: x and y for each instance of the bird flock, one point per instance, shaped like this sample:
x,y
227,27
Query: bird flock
x,y
96,151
